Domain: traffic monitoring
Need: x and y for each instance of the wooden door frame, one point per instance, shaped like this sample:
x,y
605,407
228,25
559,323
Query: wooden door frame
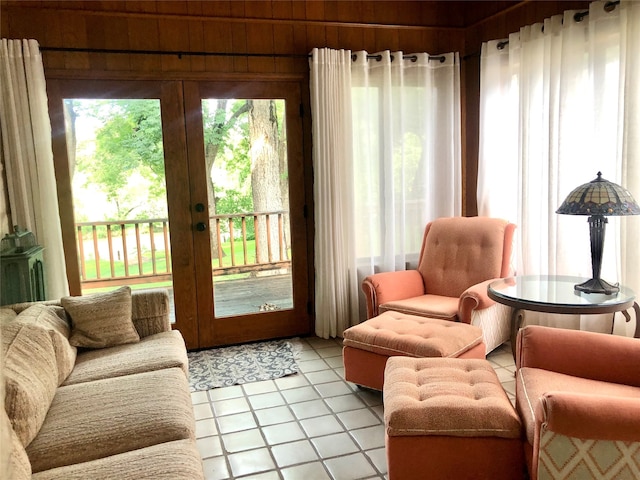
x,y
169,93
272,324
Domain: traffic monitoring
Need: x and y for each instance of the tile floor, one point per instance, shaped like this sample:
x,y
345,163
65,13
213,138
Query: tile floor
x,y
312,425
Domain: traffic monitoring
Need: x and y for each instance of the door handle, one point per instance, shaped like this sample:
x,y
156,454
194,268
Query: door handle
x,y
201,226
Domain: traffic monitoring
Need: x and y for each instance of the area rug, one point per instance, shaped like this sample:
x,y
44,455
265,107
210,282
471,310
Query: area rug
x,y
239,364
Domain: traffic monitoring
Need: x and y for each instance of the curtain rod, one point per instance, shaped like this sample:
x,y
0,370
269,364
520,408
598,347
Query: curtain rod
x,y
413,58
177,53
578,17
180,54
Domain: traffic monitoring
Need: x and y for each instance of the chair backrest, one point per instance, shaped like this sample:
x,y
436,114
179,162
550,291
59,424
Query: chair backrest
x,y
459,252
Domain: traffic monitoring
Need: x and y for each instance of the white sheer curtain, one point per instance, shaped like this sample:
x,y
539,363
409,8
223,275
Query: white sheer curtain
x,y
386,147
558,103
27,156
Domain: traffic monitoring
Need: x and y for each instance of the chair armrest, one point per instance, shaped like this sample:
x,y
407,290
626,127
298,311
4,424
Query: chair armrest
x,y
386,287
150,311
589,416
474,298
597,356
594,426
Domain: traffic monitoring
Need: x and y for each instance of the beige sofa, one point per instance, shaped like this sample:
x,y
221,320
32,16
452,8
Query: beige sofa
x,y
96,387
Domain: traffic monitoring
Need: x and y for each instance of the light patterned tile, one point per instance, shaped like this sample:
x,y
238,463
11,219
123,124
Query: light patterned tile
x,y
308,471
334,445
293,453
251,462
215,468
282,433
350,467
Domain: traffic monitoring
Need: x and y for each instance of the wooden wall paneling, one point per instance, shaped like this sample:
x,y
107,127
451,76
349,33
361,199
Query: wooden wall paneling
x,y
316,36
217,38
118,39
239,37
260,40
386,39
52,36
284,39
173,7
258,9
108,5
369,40
350,11
174,35
96,38
239,45
216,8
29,26
282,10
351,38
331,12
385,13
314,10
409,13
143,35
196,36
332,39
74,34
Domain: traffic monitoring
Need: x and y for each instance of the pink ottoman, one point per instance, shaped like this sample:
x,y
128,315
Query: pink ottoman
x,y
449,418
368,345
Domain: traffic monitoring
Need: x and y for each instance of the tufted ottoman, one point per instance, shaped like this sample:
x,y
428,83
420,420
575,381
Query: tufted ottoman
x,y
449,419
368,345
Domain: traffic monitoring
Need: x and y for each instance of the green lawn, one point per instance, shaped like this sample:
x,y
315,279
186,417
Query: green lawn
x,y
161,262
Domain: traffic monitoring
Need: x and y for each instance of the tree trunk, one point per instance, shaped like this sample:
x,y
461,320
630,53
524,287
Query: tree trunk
x,y
265,175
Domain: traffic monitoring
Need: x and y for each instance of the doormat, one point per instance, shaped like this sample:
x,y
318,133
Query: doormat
x,y
239,364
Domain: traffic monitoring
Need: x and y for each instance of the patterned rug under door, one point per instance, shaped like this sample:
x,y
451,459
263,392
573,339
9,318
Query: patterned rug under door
x,y
252,362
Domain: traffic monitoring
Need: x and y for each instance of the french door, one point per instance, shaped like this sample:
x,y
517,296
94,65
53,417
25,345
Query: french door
x,y
235,237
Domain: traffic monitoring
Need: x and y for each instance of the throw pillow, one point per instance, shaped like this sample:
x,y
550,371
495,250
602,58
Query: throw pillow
x,y
53,319
31,377
102,319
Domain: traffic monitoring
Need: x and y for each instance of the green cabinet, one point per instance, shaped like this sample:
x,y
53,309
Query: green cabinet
x,y
22,276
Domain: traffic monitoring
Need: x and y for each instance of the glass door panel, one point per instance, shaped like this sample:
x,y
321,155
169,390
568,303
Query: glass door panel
x,y
248,200
116,163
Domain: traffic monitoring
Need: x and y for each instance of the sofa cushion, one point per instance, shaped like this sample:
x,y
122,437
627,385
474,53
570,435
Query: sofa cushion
x,y
54,321
101,319
93,420
14,462
532,383
162,350
179,459
31,376
6,315
432,306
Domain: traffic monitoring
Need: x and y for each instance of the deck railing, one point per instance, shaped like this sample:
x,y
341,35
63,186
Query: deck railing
x,y
128,252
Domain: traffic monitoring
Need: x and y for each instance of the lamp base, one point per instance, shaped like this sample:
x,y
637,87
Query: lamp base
x,y
597,285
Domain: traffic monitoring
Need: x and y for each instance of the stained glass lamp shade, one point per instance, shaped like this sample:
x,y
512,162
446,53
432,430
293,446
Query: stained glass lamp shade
x,y
598,198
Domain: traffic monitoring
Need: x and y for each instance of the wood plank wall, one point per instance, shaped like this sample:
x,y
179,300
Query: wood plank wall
x,y
270,27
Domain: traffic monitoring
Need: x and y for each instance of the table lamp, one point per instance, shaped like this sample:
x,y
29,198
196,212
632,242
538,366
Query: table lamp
x,y
599,198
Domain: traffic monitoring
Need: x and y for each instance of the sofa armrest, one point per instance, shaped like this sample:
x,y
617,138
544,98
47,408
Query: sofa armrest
x,y
597,356
593,426
474,298
386,287
150,311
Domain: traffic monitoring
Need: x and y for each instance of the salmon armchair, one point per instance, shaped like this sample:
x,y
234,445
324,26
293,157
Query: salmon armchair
x,y
578,396
459,257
